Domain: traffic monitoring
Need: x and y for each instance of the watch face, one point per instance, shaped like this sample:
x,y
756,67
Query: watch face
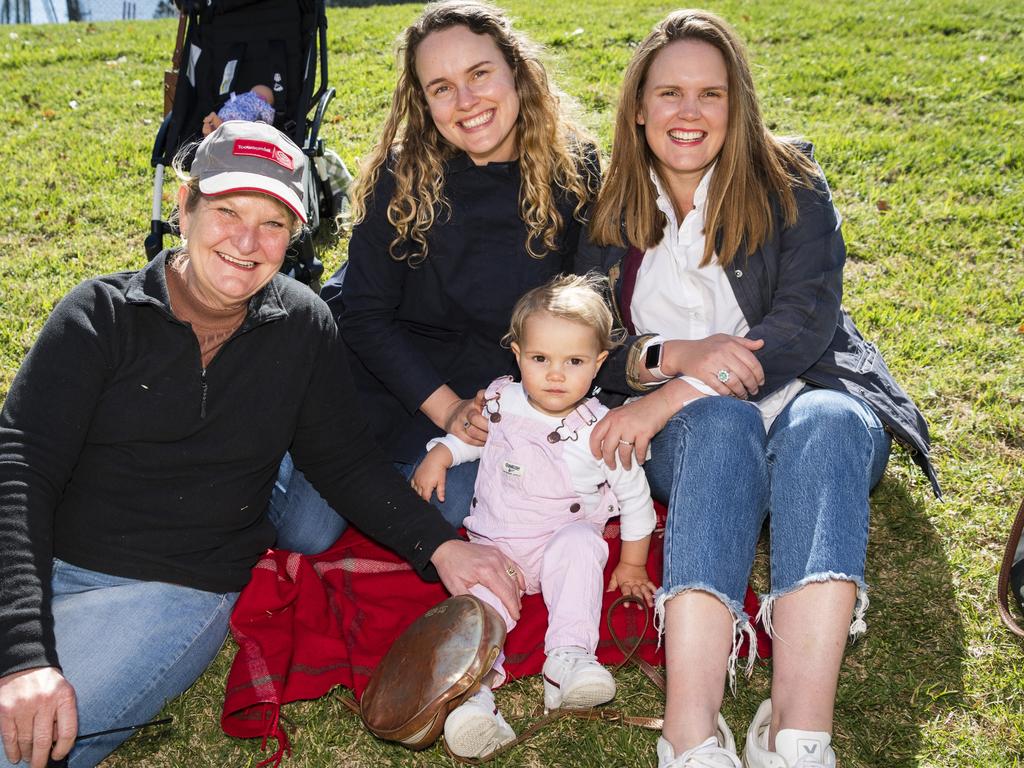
x,y
653,357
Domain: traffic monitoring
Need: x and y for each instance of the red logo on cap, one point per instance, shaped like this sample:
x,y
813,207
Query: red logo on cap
x,y
264,149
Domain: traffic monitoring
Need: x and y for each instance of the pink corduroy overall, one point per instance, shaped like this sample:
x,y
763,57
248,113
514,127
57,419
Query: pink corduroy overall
x,y
525,505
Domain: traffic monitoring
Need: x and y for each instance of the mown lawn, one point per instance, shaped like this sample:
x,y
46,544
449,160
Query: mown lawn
x,y
916,112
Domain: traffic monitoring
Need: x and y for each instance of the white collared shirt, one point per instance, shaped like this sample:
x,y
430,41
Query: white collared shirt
x,y
678,299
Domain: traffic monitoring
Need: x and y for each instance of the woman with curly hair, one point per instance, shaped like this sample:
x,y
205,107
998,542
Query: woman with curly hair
x,y
473,195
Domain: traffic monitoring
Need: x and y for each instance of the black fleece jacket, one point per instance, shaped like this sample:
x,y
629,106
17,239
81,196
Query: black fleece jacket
x,y
119,453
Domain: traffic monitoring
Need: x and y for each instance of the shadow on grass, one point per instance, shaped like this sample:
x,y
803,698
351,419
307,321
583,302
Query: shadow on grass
x,y
907,670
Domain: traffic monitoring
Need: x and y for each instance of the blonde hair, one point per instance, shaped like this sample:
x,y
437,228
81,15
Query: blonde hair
x,y
552,147
753,168
579,298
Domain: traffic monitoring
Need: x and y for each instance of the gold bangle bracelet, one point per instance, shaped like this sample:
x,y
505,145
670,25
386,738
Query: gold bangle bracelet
x,y
633,365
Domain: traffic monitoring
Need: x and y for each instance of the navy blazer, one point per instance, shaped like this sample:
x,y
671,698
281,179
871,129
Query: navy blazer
x,y
790,291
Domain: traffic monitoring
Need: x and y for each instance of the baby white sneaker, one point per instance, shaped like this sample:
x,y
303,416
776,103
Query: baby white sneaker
x,y
793,748
476,727
574,678
719,751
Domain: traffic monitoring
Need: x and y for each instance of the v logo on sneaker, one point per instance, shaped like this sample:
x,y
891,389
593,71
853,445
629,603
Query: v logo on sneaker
x,y
793,748
808,747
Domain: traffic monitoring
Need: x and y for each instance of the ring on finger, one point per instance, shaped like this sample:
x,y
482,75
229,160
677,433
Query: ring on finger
x,y
511,571
724,375
625,442
465,424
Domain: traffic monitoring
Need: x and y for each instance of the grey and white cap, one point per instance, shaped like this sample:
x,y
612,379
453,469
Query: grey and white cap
x,y
244,156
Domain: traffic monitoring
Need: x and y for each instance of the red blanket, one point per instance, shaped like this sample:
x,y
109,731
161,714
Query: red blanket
x,y
307,624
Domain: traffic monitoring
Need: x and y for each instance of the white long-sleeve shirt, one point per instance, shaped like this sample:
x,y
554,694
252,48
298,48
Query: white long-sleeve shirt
x,y
676,298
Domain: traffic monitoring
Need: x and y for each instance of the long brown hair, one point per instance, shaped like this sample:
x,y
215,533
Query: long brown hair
x,y
753,168
551,146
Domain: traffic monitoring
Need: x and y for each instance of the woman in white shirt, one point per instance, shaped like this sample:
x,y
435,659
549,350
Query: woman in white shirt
x,y
726,254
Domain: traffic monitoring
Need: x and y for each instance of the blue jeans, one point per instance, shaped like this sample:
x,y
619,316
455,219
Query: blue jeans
x,y
317,526
129,646
721,475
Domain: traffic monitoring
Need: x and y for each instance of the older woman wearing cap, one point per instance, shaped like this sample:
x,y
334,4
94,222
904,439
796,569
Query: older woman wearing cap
x,y
138,446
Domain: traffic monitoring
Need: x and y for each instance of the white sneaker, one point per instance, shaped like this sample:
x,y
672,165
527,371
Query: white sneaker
x,y
574,678
793,748
476,727
719,751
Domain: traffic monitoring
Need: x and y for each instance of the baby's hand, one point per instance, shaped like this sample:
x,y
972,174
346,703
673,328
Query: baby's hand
x,y
431,473
632,580
210,123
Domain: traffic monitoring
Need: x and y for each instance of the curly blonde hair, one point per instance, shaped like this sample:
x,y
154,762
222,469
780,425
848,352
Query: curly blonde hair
x,y
552,147
753,168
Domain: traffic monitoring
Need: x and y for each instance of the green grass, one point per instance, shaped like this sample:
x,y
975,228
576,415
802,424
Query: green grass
x,y
917,104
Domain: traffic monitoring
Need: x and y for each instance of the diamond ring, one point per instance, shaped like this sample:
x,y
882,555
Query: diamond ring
x,y
723,376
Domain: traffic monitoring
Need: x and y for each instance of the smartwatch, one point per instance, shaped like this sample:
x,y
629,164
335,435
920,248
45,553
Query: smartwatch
x,y
652,361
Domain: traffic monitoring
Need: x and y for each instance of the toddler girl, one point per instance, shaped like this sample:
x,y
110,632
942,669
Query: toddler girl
x,y
543,499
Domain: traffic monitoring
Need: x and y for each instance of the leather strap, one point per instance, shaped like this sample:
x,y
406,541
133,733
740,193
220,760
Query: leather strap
x,y
179,41
630,657
171,75
350,703
606,715
1011,621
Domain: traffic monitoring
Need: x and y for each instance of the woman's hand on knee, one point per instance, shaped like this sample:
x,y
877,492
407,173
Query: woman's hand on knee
x,y
37,709
627,430
715,358
461,564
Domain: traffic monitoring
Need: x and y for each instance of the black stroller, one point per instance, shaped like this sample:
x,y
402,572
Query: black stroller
x,y
227,47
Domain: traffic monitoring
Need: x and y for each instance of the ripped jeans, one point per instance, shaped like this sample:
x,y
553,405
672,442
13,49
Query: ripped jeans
x,y
720,475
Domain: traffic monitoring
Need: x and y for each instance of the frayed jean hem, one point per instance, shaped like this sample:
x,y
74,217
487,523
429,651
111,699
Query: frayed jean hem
x,y
858,625
741,626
